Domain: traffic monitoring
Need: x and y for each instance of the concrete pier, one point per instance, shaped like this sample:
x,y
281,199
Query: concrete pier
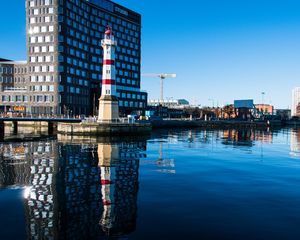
x,y
103,129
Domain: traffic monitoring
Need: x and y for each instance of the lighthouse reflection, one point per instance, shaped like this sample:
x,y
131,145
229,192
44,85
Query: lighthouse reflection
x,y
119,164
81,190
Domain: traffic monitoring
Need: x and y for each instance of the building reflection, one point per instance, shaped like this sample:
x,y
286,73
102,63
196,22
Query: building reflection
x,y
295,142
40,195
14,170
246,137
75,190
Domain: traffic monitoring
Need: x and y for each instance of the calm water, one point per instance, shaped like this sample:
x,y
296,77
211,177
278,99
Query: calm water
x,y
187,184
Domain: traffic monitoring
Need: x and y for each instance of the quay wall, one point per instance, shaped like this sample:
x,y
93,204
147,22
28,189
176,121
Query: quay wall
x,y
95,129
28,124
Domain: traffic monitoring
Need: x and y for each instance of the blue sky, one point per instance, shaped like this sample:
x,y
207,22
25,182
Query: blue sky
x,y
220,49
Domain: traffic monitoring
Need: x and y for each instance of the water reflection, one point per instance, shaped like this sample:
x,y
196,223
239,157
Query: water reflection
x,y
87,188
119,164
27,129
295,142
74,190
246,137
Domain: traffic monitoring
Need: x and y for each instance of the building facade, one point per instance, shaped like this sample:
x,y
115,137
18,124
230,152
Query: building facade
x,y
295,102
65,58
13,86
265,109
172,103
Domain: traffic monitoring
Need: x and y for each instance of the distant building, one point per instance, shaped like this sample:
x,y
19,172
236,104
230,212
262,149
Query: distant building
x,y
295,101
171,103
244,109
284,114
265,109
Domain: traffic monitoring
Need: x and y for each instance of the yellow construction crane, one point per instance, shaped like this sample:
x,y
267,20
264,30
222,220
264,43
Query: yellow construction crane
x,y
162,77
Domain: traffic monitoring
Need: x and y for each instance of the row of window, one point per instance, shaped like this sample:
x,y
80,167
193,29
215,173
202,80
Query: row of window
x,y
14,98
21,98
41,19
41,49
127,81
41,59
131,104
76,72
42,10
7,70
94,14
19,79
41,29
132,96
41,39
129,59
80,82
46,78
43,69
99,33
6,79
34,3
20,70
97,25
71,89
42,88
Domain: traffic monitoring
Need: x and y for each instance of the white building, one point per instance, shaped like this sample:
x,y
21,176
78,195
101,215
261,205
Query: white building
x,y
295,100
175,103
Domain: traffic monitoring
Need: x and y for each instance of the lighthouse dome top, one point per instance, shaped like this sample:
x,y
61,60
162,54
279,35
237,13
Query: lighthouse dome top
x,y
108,31
109,39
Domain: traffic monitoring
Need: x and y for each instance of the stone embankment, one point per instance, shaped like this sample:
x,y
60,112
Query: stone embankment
x,y
95,129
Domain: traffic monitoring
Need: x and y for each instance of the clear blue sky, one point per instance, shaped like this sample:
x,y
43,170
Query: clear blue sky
x,y
220,49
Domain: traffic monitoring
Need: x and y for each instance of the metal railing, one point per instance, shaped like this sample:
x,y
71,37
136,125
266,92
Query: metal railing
x,y
115,121
124,120
39,116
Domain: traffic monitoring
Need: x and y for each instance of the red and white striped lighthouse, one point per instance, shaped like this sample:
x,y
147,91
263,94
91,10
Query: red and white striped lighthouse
x,y
108,102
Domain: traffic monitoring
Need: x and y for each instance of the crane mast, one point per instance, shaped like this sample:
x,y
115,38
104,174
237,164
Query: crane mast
x,y
162,77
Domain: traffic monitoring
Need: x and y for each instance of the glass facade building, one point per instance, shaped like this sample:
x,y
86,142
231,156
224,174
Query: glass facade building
x,y
65,56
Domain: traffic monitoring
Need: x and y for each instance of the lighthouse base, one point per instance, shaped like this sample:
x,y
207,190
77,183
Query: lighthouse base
x,y
108,109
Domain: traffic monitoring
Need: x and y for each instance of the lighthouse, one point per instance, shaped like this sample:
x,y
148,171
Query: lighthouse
x,y
108,102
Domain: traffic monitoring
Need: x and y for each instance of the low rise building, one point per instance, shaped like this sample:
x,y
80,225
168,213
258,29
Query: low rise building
x,y
171,103
13,86
265,109
284,114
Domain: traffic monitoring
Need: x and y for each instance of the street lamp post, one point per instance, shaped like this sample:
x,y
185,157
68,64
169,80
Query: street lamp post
x,y
262,102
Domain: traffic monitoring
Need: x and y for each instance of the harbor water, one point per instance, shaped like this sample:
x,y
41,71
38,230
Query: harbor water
x,y
173,184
